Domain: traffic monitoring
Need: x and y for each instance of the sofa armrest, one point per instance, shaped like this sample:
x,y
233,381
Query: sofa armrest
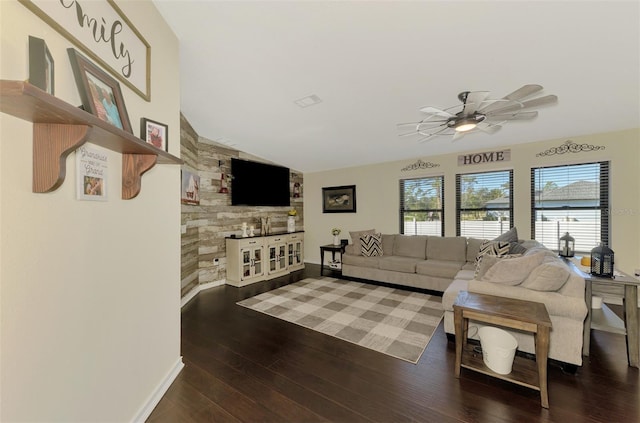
x,y
557,304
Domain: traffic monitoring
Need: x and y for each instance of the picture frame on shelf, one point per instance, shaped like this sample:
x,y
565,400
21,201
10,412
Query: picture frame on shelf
x,y
100,93
41,65
341,199
155,133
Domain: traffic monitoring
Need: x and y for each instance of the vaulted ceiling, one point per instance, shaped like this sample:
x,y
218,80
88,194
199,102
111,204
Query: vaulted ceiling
x,y
374,64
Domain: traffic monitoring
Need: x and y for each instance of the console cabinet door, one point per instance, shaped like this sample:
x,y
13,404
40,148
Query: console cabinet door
x,y
295,256
252,265
277,253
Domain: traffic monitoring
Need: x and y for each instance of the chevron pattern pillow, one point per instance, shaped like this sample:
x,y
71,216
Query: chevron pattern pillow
x,y
494,248
371,245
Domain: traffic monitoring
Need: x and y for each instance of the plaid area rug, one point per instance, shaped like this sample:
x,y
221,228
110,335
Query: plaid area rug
x,y
391,321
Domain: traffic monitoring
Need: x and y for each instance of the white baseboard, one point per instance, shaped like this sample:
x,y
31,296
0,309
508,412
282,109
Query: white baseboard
x,y
196,289
157,395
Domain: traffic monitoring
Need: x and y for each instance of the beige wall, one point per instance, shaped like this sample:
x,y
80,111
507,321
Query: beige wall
x,y
90,291
377,191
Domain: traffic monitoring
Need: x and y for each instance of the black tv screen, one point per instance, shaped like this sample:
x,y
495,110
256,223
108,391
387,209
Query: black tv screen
x,y
258,184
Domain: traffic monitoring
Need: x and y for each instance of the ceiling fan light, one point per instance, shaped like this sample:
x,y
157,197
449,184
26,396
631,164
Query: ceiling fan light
x,y
465,125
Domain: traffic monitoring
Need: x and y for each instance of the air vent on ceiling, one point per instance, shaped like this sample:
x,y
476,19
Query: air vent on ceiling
x,y
310,100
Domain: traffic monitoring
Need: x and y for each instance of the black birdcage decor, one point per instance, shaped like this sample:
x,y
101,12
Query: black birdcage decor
x,y
602,261
567,245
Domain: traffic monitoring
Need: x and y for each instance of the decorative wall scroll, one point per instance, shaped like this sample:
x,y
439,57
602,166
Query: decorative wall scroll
x,y
419,165
103,32
486,157
570,147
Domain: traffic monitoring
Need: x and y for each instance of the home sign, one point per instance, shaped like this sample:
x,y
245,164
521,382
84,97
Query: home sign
x,y
486,157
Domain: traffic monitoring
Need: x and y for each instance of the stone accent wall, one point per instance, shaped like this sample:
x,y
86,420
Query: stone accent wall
x,y
208,224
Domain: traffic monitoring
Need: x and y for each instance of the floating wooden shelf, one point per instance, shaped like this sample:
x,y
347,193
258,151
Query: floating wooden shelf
x,y
60,128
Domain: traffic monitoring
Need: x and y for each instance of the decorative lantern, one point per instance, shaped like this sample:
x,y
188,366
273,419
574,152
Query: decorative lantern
x,y
567,245
602,261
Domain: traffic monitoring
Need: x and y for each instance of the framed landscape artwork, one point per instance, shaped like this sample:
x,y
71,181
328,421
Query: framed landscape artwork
x,y
340,199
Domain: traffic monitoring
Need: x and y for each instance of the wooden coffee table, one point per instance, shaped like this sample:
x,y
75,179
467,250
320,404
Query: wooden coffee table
x,y
511,313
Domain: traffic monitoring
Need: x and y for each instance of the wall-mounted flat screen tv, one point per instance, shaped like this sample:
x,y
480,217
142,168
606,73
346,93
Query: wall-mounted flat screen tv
x,y
259,184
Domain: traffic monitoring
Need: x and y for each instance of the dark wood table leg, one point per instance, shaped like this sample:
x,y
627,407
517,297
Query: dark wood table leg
x,y
631,324
460,333
586,336
541,339
321,261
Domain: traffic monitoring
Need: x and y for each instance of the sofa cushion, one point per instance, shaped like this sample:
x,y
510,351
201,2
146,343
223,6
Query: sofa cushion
x,y
355,260
453,248
513,271
439,268
495,248
473,248
399,263
410,246
355,238
371,245
516,248
550,276
387,244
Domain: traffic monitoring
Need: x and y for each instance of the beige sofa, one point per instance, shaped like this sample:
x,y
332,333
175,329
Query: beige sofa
x,y
448,265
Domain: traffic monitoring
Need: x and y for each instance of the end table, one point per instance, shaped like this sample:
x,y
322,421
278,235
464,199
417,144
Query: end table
x,y
334,249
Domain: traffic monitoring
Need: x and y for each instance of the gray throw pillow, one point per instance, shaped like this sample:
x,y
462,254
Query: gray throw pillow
x,y
516,248
549,276
510,236
513,271
356,235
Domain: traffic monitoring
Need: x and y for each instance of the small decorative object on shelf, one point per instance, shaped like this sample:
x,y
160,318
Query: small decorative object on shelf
x,y
567,245
244,230
265,225
251,230
291,220
41,70
335,232
602,261
223,184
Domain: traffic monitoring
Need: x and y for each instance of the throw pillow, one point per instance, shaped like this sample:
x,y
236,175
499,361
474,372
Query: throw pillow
x,y
549,276
513,271
510,236
516,248
487,261
356,235
371,245
494,248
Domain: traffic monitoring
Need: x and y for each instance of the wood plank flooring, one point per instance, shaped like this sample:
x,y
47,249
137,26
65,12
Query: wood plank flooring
x,y
243,366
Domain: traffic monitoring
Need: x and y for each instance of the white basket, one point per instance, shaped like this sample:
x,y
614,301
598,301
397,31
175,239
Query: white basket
x,y
498,349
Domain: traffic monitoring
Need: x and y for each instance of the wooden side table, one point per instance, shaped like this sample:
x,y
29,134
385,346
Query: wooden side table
x,y
334,249
512,313
606,320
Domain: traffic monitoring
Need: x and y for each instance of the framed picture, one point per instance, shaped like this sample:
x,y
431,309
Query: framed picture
x,y
100,93
339,199
155,133
40,65
190,191
92,168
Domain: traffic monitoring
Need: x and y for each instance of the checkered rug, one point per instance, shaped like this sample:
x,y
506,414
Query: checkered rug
x,y
391,321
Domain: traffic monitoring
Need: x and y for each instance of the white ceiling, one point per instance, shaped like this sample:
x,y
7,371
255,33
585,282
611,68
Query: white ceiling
x,y
375,64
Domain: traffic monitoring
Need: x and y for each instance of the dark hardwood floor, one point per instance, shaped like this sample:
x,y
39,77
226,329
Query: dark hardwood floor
x,y
243,366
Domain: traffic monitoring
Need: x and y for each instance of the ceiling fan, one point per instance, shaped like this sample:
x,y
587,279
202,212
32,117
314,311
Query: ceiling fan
x,y
478,113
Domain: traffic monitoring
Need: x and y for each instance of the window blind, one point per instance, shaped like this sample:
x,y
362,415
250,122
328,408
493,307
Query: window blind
x,y
571,198
422,206
484,204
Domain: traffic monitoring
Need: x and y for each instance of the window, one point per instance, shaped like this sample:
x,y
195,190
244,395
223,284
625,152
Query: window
x,y
484,204
422,206
570,198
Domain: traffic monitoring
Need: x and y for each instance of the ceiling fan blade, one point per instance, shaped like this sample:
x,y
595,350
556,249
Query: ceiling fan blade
x,y
406,124
511,100
473,101
511,116
458,135
489,128
540,101
524,91
433,111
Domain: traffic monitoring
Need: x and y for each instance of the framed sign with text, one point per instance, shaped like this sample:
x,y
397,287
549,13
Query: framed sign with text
x,y
103,32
